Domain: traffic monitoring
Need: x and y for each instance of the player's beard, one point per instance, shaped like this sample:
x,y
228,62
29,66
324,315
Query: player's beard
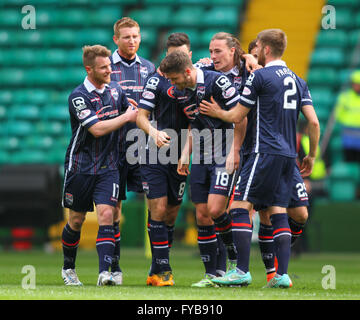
x,y
261,56
101,78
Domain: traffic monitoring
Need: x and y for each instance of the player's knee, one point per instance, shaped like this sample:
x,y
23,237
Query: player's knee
x,y
106,216
76,222
203,219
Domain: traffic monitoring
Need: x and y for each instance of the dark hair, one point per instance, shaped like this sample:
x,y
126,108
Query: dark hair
x,y
178,39
275,39
176,62
231,42
252,45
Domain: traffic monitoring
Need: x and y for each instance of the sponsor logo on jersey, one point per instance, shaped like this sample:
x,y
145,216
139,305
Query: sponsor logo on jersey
x,y
148,95
83,114
191,111
228,93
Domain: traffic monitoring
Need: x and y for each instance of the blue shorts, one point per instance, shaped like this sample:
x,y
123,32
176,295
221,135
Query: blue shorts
x,y
163,181
130,179
208,179
81,191
265,180
299,196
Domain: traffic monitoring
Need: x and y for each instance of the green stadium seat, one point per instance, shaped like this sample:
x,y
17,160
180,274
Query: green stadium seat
x,y
93,36
29,38
322,76
52,57
332,38
145,51
9,143
345,18
10,18
193,34
188,17
52,128
161,2
149,36
6,96
71,17
105,16
221,17
193,2
354,36
48,18
6,37
206,35
11,77
343,180
343,3
56,112
74,57
38,96
322,96
43,77
36,142
59,38
56,155
332,57
4,157
18,128
3,113
72,77
28,156
233,3
146,16
344,76
24,112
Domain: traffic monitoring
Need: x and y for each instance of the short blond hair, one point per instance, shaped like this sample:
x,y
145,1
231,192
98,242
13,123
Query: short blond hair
x,y
124,22
91,52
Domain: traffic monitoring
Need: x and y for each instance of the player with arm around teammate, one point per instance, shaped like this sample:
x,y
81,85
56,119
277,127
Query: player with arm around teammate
x,y
277,96
164,187
97,111
209,181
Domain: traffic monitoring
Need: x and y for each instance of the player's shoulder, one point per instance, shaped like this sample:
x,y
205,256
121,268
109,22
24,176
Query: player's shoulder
x,y
146,63
81,92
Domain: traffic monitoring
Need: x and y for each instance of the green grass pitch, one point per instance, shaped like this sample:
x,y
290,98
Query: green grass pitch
x,y
305,271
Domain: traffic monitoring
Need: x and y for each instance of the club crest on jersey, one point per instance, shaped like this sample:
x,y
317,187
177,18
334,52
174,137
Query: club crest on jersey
x,y
200,91
170,92
191,111
114,93
144,72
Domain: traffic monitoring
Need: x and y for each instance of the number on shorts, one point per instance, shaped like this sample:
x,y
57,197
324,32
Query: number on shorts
x,y
301,190
115,191
222,179
182,188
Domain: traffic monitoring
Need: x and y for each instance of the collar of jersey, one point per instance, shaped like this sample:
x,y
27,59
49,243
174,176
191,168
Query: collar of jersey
x,y
199,78
276,63
116,58
234,71
90,87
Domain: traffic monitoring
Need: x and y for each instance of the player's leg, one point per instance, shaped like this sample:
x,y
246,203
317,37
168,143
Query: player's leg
x,y
106,194
160,273
266,243
297,218
70,241
115,265
207,243
78,198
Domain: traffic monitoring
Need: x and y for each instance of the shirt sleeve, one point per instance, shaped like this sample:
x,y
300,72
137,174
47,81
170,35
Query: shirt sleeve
x,y
225,92
149,95
250,92
82,109
306,97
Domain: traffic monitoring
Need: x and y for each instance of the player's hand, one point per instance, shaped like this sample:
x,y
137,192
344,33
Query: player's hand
x,y
307,166
183,166
133,102
232,161
210,109
131,113
161,138
205,61
251,63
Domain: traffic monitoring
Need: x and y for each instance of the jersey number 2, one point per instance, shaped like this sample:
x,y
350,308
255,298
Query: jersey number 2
x,y
288,81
